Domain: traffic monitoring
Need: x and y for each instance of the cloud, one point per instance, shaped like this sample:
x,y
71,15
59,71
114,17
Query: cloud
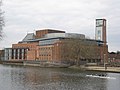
x,y
77,16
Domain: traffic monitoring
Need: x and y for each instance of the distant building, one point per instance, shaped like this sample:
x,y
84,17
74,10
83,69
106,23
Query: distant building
x,y
45,45
114,57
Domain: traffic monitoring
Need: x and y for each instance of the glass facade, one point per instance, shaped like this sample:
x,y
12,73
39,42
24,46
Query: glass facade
x,y
99,33
99,29
99,23
48,42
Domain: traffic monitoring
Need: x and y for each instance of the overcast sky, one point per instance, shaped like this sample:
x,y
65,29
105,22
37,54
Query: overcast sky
x,y
73,16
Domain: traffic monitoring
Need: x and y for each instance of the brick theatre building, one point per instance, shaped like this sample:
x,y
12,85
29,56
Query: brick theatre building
x,y
46,45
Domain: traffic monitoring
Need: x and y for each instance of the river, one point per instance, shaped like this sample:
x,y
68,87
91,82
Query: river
x,y
36,78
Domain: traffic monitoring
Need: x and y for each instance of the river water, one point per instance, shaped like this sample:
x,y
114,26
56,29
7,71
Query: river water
x,y
36,78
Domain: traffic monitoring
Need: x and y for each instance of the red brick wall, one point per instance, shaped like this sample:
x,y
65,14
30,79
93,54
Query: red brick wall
x,y
45,53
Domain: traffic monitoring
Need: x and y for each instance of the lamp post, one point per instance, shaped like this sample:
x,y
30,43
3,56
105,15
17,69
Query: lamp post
x,y
105,61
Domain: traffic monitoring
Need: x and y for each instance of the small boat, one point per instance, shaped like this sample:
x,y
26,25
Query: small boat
x,y
100,76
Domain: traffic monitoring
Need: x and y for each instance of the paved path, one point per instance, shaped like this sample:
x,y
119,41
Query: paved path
x,y
109,69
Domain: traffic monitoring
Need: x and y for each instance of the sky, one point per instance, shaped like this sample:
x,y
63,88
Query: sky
x,y
73,16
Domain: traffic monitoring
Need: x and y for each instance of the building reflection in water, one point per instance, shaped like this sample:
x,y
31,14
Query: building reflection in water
x,y
35,78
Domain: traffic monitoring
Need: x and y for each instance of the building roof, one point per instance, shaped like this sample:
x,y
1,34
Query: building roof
x,y
57,36
29,36
51,30
65,35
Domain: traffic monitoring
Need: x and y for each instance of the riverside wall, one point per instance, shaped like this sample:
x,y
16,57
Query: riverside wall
x,y
59,65
97,68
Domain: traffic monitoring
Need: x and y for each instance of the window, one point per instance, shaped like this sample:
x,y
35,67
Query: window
x,y
99,32
99,22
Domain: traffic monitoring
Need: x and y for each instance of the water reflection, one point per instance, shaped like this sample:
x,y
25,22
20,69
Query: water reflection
x,y
113,84
35,78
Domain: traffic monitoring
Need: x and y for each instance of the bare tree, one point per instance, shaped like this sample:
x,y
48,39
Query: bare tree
x,y
1,20
76,50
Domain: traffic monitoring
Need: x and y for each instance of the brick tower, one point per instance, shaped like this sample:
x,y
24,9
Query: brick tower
x,y
100,35
100,32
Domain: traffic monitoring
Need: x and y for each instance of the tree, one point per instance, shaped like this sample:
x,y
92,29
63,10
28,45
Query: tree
x,y
76,50
118,52
1,20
